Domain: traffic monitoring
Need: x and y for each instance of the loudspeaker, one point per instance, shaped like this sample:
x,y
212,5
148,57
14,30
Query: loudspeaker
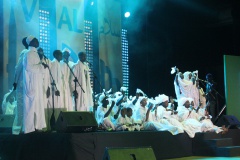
x,y
141,153
229,121
76,122
6,123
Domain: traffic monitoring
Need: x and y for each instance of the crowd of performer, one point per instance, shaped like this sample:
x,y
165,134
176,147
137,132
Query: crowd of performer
x,y
40,83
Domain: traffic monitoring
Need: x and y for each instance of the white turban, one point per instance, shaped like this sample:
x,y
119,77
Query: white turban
x,y
164,98
66,50
182,101
29,39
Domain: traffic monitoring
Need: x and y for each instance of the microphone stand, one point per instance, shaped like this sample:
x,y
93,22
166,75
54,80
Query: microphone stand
x,y
75,88
57,93
216,98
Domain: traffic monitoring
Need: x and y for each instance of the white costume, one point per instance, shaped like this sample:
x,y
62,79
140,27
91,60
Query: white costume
x,y
18,120
84,99
101,111
33,113
207,124
167,115
57,76
7,107
66,94
189,119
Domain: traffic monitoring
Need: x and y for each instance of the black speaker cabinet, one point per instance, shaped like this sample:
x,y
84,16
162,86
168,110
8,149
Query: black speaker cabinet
x,y
139,153
74,122
6,123
229,121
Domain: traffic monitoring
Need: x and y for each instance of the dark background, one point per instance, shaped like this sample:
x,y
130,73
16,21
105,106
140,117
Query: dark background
x,y
192,35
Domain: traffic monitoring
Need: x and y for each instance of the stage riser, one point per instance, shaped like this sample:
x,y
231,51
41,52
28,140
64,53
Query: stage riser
x,y
91,145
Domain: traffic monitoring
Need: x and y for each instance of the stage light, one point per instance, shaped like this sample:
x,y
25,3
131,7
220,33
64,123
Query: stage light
x,y
127,14
92,3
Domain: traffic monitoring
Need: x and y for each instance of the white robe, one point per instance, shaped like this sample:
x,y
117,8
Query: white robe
x,y
164,114
104,121
190,121
18,78
84,100
7,107
67,93
207,124
57,76
33,108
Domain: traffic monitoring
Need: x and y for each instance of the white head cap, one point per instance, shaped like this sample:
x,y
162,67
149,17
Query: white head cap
x,y
29,39
66,50
182,101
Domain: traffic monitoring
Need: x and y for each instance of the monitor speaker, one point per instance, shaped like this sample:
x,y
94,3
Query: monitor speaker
x,y
6,123
143,153
76,122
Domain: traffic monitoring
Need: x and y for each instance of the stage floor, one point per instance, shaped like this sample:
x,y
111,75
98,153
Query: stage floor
x,y
91,145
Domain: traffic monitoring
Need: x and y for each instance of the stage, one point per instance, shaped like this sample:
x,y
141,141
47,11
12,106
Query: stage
x,y
91,145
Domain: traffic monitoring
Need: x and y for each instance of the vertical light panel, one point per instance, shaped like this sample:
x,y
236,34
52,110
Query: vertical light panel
x,y
125,67
44,31
88,40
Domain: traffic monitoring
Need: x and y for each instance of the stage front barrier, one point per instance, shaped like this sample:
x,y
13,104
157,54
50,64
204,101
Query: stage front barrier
x,y
76,121
138,153
6,123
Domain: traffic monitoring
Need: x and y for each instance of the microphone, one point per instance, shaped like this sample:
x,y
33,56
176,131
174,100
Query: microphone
x,y
203,80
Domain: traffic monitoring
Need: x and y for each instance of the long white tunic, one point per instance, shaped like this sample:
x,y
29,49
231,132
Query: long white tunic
x,y
190,121
104,121
57,76
84,100
66,94
18,78
33,110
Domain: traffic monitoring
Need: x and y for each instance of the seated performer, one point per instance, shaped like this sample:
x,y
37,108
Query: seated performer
x,y
9,103
121,121
104,113
168,115
188,118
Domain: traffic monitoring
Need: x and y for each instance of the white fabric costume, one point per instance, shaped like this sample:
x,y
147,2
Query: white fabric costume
x,y
189,119
57,76
33,113
18,120
66,92
84,100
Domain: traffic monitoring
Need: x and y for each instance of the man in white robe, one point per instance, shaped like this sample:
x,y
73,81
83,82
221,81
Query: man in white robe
x,y
84,97
57,74
168,115
105,113
18,86
33,108
66,94
189,118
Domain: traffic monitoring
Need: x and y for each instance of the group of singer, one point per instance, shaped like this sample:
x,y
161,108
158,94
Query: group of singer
x,y
41,84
